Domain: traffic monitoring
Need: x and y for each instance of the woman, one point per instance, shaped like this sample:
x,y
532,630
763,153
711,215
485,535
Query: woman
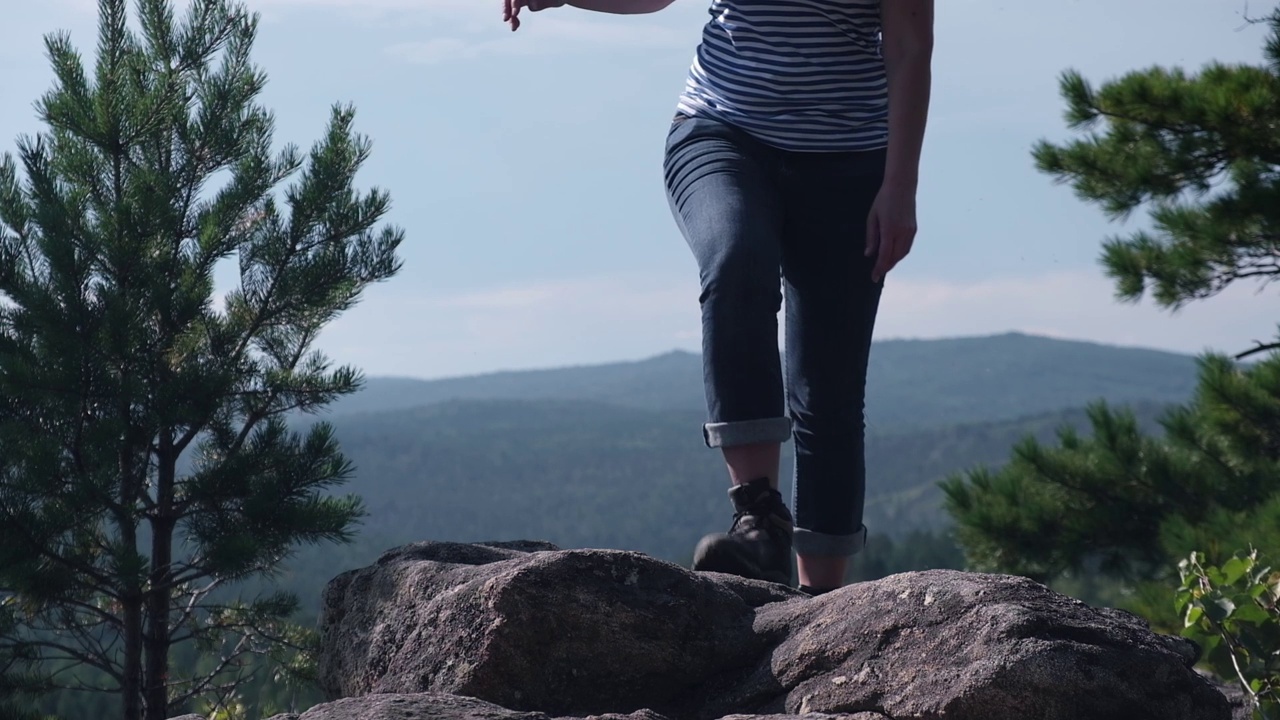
x,y
793,160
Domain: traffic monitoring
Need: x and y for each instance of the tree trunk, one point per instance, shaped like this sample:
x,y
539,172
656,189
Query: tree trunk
x,y
131,595
131,610
159,594
158,634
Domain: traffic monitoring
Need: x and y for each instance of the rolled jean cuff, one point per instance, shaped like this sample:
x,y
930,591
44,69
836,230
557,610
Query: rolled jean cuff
x,y
747,432
808,542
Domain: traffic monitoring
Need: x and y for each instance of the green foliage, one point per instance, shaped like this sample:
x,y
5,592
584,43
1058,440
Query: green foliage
x,y
118,366
1233,612
1201,151
1120,506
1124,503
258,689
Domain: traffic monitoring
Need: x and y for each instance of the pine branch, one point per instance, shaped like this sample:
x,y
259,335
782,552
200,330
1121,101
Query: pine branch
x,y
225,692
71,654
194,604
202,685
198,595
1254,20
263,410
87,639
43,626
81,685
104,584
104,618
1257,349
1267,270
195,572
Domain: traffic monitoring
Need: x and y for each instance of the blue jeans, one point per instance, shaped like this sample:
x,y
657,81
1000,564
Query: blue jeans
x,y
764,223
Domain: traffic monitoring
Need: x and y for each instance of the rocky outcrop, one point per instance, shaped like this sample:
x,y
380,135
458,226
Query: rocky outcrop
x,y
524,631
435,706
560,632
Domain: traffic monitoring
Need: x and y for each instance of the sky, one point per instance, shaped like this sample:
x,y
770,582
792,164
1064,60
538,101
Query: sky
x,y
525,169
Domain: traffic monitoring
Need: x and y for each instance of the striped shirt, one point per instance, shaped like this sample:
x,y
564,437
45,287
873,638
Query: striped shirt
x,y
804,75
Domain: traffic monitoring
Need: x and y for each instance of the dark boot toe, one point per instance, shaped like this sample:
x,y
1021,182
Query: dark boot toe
x,y
722,553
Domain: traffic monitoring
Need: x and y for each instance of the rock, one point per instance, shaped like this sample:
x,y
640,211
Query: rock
x,y
637,715
1242,706
415,706
436,706
570,632
283,716
545,634
966,646
811,716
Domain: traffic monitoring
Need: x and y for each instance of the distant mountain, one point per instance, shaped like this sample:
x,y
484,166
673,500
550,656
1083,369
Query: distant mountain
x,y
912,384
917,383
586,474
669,381
611,455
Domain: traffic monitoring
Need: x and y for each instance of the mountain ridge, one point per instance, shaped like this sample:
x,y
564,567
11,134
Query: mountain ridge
x,y
911,383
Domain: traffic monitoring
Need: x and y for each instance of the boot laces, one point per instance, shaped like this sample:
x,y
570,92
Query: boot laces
x,y
759,516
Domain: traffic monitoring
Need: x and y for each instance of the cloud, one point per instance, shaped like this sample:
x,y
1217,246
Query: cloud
x,y
613,32
439,50
548,35
1073,305
536,324
382,5
84,7
630,316
515,298
470,29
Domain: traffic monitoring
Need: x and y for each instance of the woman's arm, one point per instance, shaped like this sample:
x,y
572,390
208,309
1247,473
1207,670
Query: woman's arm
x,y
511,8
621,7
907,27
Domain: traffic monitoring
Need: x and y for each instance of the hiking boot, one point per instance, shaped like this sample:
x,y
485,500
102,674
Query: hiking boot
x,y
758,544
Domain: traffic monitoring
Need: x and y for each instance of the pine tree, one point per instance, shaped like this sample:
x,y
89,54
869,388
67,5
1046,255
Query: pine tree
x,y
146,465
1201,154
18,684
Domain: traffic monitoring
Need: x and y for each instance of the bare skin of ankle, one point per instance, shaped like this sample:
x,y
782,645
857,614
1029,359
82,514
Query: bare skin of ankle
x,y
822,571
748,462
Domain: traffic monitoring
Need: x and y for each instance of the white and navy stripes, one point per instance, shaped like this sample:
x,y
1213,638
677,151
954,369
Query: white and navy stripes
x,y
804,75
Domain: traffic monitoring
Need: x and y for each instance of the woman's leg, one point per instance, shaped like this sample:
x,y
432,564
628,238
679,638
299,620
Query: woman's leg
x,y
726,205
725,202
831,305
723,193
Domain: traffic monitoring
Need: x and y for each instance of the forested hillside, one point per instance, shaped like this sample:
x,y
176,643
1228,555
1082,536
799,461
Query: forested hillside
x,y
584,474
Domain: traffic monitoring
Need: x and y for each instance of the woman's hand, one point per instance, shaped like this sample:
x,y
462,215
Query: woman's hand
x,y
908,56
511,9
891,226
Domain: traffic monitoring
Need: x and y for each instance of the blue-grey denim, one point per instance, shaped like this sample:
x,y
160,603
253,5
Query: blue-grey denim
x,y
764,223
